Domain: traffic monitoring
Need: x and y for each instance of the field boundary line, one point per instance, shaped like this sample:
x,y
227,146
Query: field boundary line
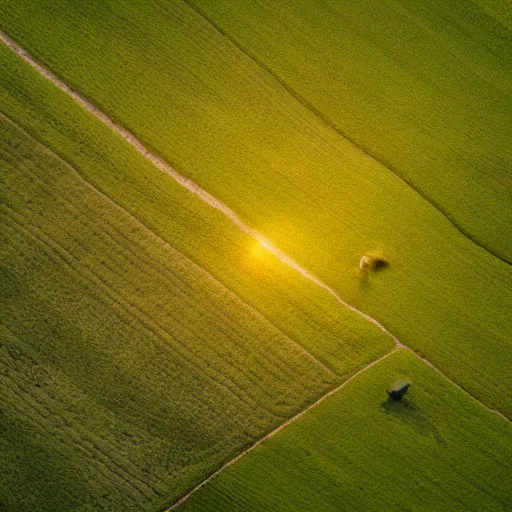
x,y
185,182
223,208
254,310
318,402
460,388
208,199
332,125
190,185
279,428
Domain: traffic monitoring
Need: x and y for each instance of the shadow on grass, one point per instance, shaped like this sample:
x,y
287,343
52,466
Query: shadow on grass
x,y
410,414
365,276
364,284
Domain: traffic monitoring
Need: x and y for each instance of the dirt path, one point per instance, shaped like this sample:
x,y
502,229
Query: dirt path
x,y
185,182
209,199
314,404
220,206
160,240
275,431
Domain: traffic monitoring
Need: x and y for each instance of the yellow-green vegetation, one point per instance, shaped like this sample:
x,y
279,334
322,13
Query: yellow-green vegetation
x,y
145,340
145,368
337,337
425,87
128,371
435,450
190,93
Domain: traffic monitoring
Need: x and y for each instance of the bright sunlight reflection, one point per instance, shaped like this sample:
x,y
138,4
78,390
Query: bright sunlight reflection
x,y
265,243
262,248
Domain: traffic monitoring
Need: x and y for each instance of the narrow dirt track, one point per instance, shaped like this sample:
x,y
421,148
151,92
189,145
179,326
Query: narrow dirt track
x,y
275,431
185,182
208,198
308,408
158,239
220,206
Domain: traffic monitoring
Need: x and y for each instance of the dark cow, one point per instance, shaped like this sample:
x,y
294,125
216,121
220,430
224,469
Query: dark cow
x,y
398,390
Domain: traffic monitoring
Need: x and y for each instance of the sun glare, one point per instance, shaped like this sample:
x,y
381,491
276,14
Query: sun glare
x,y
261,248
265,243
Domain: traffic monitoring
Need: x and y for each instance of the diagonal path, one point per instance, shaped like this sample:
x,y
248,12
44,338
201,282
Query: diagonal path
x,y
185,497
278,429
158,239
211,200
185,182
223,208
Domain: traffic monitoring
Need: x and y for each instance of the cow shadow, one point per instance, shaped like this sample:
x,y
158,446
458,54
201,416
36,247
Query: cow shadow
x,y
410,414
365,276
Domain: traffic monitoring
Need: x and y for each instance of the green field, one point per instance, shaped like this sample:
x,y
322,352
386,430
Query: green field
x,y
145,340
425,87
128,370
340,339
436,451
145,368
224,121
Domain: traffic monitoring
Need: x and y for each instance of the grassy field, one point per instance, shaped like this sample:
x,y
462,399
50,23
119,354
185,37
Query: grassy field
x,y
340,339
121,358
231,126
145,340
426,87
128,371
436,450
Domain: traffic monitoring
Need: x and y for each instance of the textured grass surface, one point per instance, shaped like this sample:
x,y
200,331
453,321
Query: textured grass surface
x,y
436,450
340,339
424,86
125,365
229,125
128,372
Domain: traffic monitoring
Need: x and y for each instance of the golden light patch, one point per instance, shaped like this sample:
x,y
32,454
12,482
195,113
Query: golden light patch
x,y
262,248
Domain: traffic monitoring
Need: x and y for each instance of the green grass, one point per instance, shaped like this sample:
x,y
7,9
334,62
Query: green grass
x,y
145,368
342,340
145,340
424,86
229,125
128,371
436,450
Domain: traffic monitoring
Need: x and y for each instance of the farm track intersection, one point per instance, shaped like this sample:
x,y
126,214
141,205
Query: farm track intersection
x,y
220,206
